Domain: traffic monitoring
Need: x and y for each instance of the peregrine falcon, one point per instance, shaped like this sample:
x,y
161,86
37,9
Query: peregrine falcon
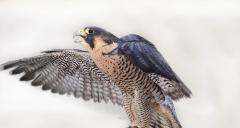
x,y
128,71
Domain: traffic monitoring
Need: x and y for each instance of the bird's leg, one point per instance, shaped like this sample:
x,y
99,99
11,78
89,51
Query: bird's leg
x,y
128,106
141,106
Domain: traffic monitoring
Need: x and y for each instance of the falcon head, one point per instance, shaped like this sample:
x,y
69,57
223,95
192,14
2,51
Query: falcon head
x,y
94,37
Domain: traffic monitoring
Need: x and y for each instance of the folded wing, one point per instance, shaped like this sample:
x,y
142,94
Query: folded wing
x,y
144,54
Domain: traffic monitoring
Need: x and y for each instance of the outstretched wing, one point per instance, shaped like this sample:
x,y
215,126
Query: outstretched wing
x,y
144,54
67,71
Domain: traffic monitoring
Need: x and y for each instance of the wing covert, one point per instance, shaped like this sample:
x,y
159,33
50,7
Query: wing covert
x,y
144,54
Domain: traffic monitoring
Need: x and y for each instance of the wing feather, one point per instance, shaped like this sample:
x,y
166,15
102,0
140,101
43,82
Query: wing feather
x,y
144,54
67,71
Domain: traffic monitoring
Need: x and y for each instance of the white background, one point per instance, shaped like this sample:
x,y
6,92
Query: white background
x,y
200,39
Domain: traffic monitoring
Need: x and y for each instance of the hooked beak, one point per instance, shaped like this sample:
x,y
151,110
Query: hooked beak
x,y
78,35
81,33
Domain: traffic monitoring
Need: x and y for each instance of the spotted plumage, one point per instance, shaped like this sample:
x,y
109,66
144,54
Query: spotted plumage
x,y
128,71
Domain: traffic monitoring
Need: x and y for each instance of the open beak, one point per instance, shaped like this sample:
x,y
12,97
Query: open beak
x,y
78,35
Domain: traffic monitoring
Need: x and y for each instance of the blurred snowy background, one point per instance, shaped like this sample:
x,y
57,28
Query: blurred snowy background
x,y
200,39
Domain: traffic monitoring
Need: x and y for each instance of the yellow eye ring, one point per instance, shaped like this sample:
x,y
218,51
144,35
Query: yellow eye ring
x,y
89,31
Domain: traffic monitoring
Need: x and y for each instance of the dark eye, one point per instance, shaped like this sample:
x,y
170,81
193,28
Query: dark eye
x,y
90,31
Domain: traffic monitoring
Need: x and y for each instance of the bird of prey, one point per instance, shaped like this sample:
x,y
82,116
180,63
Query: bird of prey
x,y
128,71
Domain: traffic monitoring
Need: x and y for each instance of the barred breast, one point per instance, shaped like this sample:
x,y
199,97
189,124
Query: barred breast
x,y
120,69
